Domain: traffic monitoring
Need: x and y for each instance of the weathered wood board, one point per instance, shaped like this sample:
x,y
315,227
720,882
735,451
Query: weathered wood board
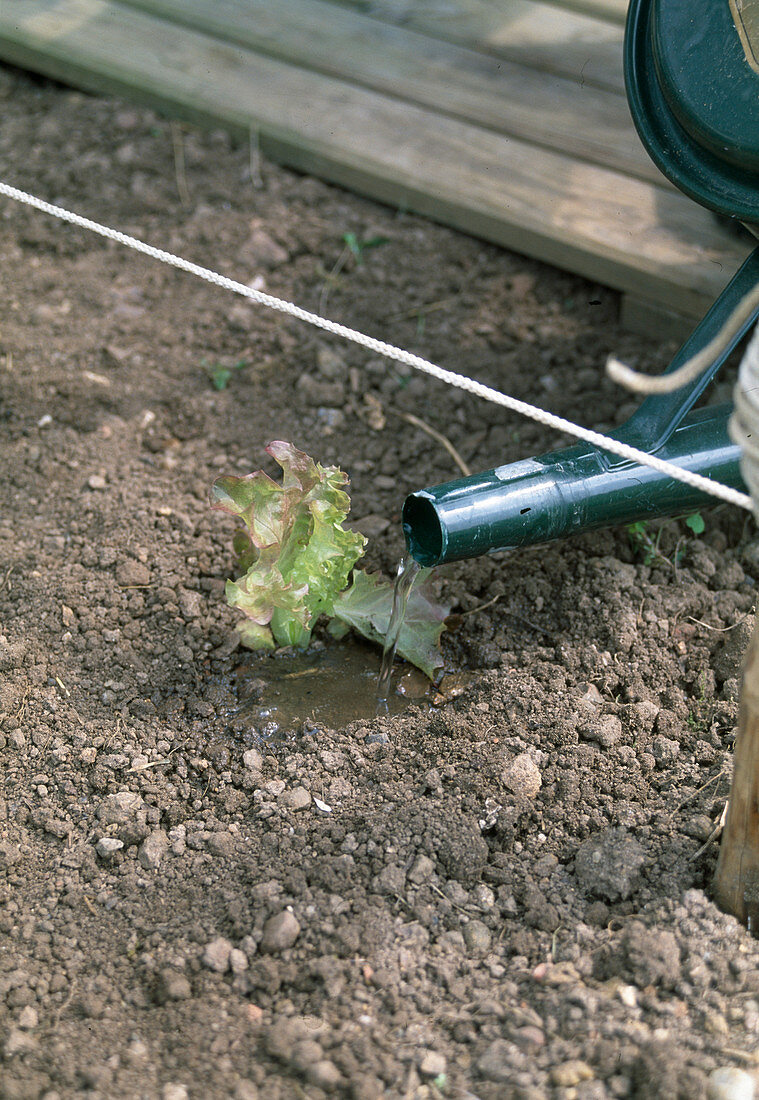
x,y
553,38
421,140
557,112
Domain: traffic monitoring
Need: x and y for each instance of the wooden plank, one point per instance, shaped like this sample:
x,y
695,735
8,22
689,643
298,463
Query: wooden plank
x,y
615,11
652,319
627,234
539,35
589,123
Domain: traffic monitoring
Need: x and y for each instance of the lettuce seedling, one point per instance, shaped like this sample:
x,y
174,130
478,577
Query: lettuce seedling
x,y
296,561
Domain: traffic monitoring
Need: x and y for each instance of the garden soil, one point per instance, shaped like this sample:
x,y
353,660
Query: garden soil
x,y
504,895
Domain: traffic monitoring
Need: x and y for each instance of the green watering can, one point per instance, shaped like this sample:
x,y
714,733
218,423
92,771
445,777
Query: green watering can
x,y
692,78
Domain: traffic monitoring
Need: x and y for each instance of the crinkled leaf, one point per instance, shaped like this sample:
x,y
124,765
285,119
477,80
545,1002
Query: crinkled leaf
x,y
366,607
293,549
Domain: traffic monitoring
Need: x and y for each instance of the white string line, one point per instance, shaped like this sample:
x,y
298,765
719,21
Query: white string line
x,y
379,347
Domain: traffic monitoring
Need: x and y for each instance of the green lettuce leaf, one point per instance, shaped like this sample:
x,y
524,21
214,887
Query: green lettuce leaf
x,y
293,552
366,607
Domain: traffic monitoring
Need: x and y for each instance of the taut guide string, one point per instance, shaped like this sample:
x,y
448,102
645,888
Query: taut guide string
x,y
379,347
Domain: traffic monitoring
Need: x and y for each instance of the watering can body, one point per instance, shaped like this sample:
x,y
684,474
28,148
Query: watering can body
x,y
692,79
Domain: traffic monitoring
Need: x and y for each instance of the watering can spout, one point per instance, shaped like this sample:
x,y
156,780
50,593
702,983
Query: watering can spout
x,y
546,498
541,499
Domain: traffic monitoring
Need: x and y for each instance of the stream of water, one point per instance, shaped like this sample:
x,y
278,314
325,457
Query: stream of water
x,y
404,581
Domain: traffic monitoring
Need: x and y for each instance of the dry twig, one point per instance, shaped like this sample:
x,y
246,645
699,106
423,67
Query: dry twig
x,y
436,435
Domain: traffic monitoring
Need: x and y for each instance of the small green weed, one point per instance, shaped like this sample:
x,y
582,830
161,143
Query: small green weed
x,y
646,544
357,247
220,375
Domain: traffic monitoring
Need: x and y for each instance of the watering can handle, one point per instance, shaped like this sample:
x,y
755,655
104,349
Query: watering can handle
x,y
651,426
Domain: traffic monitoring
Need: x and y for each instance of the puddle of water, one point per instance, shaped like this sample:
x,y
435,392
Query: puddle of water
x,y
284,694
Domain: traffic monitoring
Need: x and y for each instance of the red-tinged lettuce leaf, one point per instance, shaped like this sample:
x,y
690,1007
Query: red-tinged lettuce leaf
x,y
294,552
366,607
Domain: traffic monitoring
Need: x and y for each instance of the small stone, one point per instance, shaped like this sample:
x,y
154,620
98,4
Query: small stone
x,y
729,1083
253,760
18,1042
314,392
280,932
432,1063
132,574
330,364
500,1060
245,1090
606,731
296,799
221,844
477,937
522,776
117,808
216,955
190,603
28,1018
97,482
108,846
664,750
153,849
172,986
173,1091
422,869
9,854
324,1075
569,1074
608,864
391,880
178,839
261,250
238,961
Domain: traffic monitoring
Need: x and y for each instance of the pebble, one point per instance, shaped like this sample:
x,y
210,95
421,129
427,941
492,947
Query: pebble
x,y
296,799
432,1063
729,1083
28,1018
221,844
280,932
132,574
246,1090
391,880
172,986
119,808
606,731
108,846
522,776
216,955
422,869
253,759
18,1042
500,1060
608,864
477,937
153,849
571,1073
173,1091
324,1075
97,482
238,961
